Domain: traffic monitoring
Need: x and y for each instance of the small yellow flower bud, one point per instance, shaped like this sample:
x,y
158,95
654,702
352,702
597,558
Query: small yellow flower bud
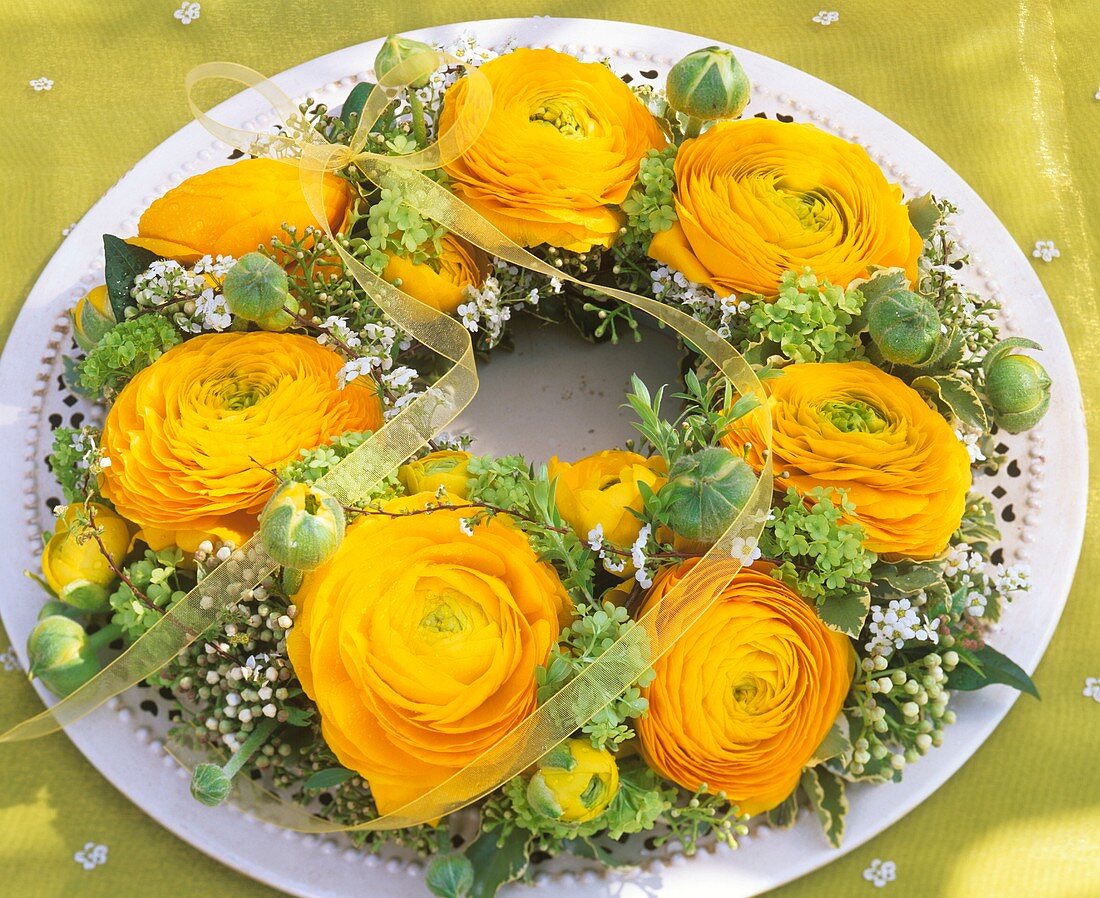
x,y
92,317
574,783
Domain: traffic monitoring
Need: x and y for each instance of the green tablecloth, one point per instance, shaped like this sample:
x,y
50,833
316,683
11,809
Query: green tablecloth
x,y
1007,92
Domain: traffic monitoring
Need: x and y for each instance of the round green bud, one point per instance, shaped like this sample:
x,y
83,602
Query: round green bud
x,y
704,493
60,655
1018,389
210,784
574,782
905,327
404,61
708,84
256,288
301,527
450,875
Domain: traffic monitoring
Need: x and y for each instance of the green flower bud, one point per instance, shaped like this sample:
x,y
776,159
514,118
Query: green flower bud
x,y
256,289
905,327
301,526
404,61
708,84
1018,389
210,785
61,655
574,783
704,493
92,317
450,875
54,606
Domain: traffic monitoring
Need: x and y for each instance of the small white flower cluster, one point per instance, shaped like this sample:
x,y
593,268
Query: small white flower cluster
x,y
377,353
338,328
194,294
9,660
484,310
613,564
705,305
967,570
188,12
961,559
91,457
896,624
464,524
92,855
1046,250
1092,688
638,558
881,872
1011,579
970,439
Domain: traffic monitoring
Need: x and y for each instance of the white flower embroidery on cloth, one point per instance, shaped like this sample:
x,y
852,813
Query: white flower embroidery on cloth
x,y
826,17
41,83
1046,250
187,13
881,872
65,232
91,855
1092,688
10,660
1098,95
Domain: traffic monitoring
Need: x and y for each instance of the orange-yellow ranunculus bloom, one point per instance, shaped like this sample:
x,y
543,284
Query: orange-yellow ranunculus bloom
x,y
603,488
444,468
560,150
419,643
852,426
756,198
192,438
747,695
233,209
460,264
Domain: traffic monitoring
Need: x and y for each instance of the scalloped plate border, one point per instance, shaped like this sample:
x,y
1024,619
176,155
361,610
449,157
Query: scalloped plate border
x,y
151,778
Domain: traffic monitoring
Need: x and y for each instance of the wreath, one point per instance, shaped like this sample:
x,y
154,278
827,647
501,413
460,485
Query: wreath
x,y
401,637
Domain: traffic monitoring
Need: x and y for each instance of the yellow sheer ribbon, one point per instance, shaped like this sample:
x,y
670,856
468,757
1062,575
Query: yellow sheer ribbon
x,y
355,477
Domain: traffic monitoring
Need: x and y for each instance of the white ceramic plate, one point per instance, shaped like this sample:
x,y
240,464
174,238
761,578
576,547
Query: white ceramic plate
x,y
1039,495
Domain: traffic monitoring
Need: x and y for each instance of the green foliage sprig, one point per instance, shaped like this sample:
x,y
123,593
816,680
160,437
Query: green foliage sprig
x,y
127,348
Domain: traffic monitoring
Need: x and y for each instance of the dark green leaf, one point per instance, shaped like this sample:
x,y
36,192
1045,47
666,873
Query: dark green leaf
x,y
450,875
826,792
353,105
907,578
993,668
837,742
121,264
327,779
496,864
846,613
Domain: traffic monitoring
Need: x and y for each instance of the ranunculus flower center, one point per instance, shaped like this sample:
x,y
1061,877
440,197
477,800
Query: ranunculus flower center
x,y
564,116
854,416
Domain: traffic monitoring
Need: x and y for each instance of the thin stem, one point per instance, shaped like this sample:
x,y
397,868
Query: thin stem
x,y
255,739
104,636
419,127
115,568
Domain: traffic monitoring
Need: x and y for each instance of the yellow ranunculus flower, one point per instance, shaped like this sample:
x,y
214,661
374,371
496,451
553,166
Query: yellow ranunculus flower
x,y
560,150
852,426
603,488
419,643
77,571
461,265
746,696
92,317
192,438
755,198
443,468
234,209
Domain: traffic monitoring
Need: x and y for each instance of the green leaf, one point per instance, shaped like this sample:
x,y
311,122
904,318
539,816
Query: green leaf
x,y
327,779
924,215
846,613
907,578
496,864
993,668
450,875
122,263
826,792
958,396
837,742
784,815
